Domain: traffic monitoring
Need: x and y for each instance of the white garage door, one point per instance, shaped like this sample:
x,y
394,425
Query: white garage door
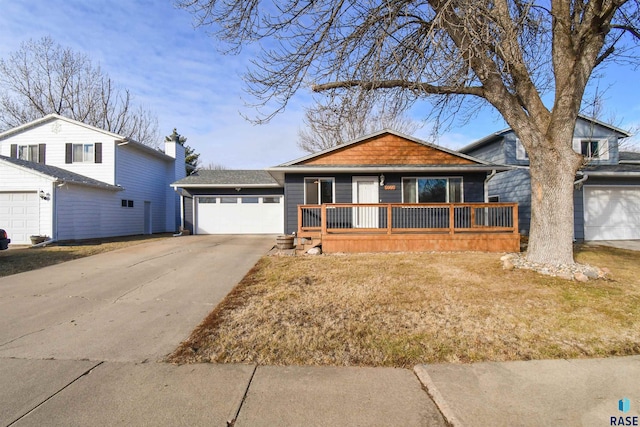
x,y
19,216
611,213
240,215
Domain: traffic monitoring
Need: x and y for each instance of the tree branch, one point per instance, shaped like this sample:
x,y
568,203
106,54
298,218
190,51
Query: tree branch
x,y
391,84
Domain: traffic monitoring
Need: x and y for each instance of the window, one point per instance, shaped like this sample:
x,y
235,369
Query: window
x,y
521,153
126,203
318,191
228,200
206,199
432,190
597,149
590,148
249,200
83,153
28,152
271,200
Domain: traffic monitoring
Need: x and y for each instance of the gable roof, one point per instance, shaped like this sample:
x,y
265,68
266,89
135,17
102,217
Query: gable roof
x,y
58,174
121,140
330,153
496,135
408,155
228,179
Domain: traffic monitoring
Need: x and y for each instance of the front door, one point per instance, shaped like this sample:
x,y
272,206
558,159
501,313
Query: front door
x,y
365,190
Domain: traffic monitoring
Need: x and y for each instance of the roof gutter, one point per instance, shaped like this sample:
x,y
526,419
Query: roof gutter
x,y
186,185
375,168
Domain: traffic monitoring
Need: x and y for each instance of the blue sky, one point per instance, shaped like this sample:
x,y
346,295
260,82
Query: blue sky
x,y
174,70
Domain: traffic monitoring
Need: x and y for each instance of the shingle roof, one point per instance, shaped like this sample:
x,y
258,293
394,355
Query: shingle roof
x,y
60,174
228,178
629,156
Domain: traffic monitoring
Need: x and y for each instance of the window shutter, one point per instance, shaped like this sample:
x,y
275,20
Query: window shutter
x,y
68,157
98,152
42,149
14,151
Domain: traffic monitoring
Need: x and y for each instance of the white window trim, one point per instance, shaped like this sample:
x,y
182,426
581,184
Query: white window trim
x,y
91,160
434,177
521,153
309,178
603,147
28,147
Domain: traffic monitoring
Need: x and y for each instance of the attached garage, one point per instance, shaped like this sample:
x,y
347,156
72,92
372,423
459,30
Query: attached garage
x,y
231,202
611,212
20,215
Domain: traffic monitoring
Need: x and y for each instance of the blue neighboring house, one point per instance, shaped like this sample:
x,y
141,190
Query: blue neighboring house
x,y
607,188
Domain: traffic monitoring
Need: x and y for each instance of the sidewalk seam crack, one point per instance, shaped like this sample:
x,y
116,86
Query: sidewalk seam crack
x,y
85,373
232,421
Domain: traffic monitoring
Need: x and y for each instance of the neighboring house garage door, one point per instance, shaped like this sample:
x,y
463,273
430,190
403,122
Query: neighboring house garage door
x,y
240,215
612,213
19,216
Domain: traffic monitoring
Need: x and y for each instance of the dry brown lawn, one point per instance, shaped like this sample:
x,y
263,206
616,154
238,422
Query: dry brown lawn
x,y
405,309
21,259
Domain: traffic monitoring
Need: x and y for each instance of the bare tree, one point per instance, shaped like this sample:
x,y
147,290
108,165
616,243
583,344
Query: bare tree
x,y
214,167
42,77
505,53
336,121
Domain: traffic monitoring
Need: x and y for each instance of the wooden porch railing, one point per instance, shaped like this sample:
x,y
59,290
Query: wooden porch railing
x,y
392,218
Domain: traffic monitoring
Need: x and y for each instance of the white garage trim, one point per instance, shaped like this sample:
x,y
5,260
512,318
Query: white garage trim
x,y
239,214
20,215
611,212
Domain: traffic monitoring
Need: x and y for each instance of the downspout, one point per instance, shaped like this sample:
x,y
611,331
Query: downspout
x,y
486,186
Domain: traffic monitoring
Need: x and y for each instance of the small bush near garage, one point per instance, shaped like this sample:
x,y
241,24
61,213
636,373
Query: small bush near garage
x,y
24,258
405,309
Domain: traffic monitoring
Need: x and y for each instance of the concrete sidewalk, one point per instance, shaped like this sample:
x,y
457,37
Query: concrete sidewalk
x,y
64,393
533,393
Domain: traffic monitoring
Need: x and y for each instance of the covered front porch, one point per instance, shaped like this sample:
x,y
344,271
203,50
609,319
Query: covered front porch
x,y
413,227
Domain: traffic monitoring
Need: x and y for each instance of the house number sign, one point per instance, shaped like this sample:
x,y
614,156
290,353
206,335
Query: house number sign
x,y
389,187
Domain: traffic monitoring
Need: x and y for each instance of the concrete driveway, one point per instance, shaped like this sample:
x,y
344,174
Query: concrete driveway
x,y
632,245
130,305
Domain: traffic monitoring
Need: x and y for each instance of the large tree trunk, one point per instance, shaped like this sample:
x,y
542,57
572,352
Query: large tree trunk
x,y
553,170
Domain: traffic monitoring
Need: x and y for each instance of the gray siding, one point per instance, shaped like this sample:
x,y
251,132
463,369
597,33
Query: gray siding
x,y
586,129
188,214
473,186
492,152
514,186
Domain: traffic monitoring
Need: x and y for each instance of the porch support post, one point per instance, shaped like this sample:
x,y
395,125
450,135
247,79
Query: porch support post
x,y
452,223
323,219
514,209
299,219
389,219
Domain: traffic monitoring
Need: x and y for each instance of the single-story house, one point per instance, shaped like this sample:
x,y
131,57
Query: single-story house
x,y
382,192
607,188
69,181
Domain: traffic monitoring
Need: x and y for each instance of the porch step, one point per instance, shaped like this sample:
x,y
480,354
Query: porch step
x,y
306,243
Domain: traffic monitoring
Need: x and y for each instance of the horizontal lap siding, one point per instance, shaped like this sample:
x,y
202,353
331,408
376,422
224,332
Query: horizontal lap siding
x,y
146,178
85,212
514,186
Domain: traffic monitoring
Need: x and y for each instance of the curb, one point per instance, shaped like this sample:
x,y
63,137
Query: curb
x,y
432,391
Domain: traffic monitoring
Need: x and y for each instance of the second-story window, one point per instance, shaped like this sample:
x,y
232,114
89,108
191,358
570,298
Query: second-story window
x,y
83,153
28,152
